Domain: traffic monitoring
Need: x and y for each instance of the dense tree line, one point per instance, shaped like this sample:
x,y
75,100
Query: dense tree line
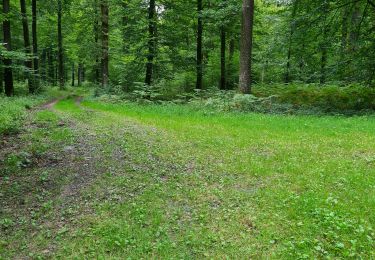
x,y
186,45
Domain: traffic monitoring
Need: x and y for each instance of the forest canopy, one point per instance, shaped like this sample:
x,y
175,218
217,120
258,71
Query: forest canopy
x,y
187,45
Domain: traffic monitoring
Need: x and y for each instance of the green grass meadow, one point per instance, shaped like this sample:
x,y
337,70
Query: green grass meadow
x,y
177,182
231,185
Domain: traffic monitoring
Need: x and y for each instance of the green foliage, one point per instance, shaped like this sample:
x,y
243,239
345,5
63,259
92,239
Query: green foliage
x,y
12,112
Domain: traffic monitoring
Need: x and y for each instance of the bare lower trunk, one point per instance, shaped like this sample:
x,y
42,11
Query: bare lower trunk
x,y
73,74
246,46
223,79
199,83
105,42
324,46
8,72
35,45
60,46
26,39
151,42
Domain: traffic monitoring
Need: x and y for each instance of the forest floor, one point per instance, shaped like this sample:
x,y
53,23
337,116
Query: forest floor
x,y
87,179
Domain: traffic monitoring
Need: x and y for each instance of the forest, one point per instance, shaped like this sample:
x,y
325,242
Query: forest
x,y
200,129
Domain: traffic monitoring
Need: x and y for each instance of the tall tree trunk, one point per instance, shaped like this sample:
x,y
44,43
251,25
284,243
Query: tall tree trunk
x,y
73,74
223,79
8,72
26,39
199,83
79,74
97,67
60,46
1,76
151,41
246,46
1,65
35,44
230,69
324,45
43,65
291,33
51,69
105,42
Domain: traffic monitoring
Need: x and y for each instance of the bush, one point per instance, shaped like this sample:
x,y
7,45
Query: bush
x,y
348,99
12,111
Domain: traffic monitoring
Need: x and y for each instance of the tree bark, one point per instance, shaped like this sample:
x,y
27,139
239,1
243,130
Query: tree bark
x,y
51,68
151,42
26,39
291,33
35,44
79,74
73,75
199,82
223,79
246,46
97,68
324,47
230,68
60,46
105,42
1,77
8,72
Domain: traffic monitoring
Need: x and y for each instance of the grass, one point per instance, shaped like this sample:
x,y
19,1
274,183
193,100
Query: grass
x,y
231,185
182,183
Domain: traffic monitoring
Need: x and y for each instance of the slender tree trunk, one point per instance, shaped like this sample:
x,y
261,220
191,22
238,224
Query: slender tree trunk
x,y
60,46
246,46
73,74
97,68
51,68
1,76
79,74
199,83
324,46
230,69
26,39
292,30
1,65
83,71
8,72
151,42
43,66
35,44
223,79
105,42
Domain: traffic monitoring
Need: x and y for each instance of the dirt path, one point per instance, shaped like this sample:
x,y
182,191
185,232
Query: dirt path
x,y
51,184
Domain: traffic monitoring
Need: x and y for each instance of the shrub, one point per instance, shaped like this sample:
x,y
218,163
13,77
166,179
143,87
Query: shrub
x,y
12,111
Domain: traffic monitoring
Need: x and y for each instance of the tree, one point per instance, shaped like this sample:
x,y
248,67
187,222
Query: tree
x,y
61,74
246,46
324,44
151,41
7,61
199,82
105,42
291,33
223,79
26,38
35,44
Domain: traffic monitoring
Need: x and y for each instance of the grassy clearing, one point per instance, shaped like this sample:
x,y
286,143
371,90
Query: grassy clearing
x,y
203,184
176,182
